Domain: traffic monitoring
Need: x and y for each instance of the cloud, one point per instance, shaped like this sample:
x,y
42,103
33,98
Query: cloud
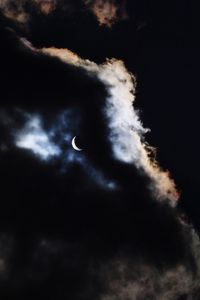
x,y
55,261
107,12
92,230
143,281
14,10
45,6
34,138
54,143
126,132
21,11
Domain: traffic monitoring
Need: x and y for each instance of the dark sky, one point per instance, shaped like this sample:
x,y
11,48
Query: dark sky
x,y
103,223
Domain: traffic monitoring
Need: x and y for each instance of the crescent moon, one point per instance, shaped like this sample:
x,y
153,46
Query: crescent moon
x,y
74,145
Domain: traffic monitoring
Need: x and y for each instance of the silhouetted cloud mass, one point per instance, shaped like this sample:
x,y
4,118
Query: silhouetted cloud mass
x,y
101,223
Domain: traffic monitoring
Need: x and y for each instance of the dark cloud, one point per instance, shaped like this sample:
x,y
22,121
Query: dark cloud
x,y
64,232
14,11
73,21
107,12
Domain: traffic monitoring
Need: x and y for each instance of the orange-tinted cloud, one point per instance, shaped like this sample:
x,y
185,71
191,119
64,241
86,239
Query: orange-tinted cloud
x,y
14,10
45,6
107,11
19,12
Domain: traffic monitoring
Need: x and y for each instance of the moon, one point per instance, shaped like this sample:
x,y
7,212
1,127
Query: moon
x,y
74,145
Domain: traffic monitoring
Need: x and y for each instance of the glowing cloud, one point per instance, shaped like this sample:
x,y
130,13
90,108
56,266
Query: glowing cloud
x,y
107,12
126,130
35,139
40,142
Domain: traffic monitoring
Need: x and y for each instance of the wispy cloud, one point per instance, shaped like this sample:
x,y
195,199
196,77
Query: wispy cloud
x,y
34,138
55,143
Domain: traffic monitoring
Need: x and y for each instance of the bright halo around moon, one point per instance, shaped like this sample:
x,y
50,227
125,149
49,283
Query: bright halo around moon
x,y
74,145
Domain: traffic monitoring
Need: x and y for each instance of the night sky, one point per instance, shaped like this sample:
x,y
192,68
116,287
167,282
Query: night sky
x,y
115,216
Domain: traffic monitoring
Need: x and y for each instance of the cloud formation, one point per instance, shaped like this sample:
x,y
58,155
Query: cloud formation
x,y
107,12
147,282
45,6
14,10
34,138
55,143
20,11
81,233
126,130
